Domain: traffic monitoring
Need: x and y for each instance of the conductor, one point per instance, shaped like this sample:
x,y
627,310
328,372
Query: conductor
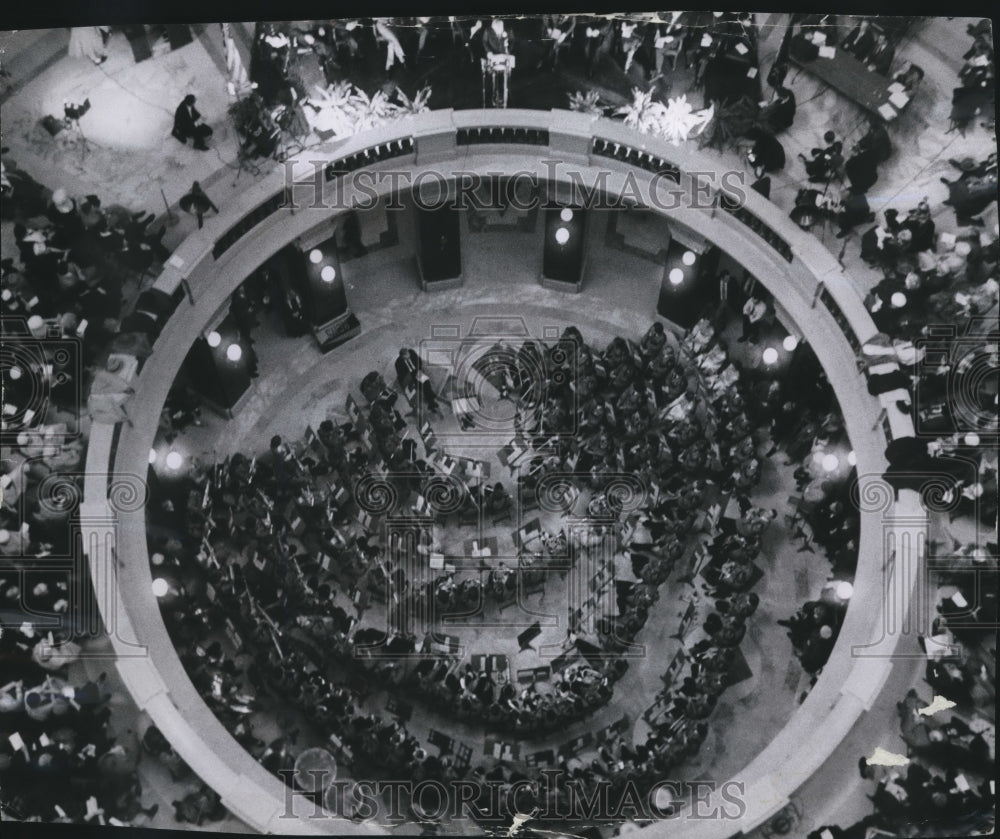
x,y
497,64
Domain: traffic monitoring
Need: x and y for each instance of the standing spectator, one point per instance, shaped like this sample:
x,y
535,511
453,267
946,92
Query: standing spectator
x,y
753,313
197,202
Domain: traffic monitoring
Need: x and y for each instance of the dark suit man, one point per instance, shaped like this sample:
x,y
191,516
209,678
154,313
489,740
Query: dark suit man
x,y
860,42
496,41
187,124
410,375
880,59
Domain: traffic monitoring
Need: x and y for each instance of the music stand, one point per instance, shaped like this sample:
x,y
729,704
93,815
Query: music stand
x,y
80,138
498,67
530,634
245,159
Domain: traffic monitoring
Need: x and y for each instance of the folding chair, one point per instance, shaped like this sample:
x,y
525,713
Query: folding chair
x,y
527,534
429,438
542,758
673,50
463,756
527,499
443,742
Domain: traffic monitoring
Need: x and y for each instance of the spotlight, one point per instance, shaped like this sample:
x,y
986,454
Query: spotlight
x,y
174,460
688,258
770,355
972,439
852,459
15,373
234,352
830,462
160,587
566,214
898,300
844,590
676,276
214,339
328,274
562,235
152,456
790,343
315,256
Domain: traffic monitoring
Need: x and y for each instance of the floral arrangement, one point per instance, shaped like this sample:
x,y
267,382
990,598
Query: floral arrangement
x,y
344,109
586,103
675,121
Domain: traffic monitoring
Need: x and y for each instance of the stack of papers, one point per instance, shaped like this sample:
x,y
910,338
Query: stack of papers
x,y
827,52
887,112
899,99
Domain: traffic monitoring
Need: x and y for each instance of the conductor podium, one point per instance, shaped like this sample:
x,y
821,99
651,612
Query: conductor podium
x,y
496,76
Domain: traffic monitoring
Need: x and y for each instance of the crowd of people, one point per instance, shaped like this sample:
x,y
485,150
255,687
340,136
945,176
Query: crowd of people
x,y
643,408
75,260
641,41
273,554
60,758
976,94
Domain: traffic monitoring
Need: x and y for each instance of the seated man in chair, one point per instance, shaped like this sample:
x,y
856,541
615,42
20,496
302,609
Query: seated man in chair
x,y
187,124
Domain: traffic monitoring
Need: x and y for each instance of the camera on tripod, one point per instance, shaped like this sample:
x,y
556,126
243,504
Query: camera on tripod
x,y
74,112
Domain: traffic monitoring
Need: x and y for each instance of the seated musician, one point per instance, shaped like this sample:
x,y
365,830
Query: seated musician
x,y
498,499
